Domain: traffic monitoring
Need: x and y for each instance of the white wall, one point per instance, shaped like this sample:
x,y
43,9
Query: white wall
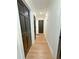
x,y
37,26
53,26
45,26
20,50
32,27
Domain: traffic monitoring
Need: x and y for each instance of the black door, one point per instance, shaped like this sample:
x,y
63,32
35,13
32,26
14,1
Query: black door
x,y
59,48
41,25
24,15
35,26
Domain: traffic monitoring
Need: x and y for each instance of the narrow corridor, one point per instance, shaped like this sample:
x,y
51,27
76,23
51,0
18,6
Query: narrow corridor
x,y
39,49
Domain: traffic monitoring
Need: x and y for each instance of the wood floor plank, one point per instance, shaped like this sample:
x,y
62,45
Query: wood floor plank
x,y
40,49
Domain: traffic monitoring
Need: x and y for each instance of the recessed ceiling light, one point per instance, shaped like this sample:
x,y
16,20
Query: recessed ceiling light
x,y
40,12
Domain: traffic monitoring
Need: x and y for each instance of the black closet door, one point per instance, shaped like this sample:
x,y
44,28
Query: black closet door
x,y
41,25
35,26
24,15
59,48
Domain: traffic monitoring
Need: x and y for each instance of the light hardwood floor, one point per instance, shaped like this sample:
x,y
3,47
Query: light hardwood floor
x,y
39,49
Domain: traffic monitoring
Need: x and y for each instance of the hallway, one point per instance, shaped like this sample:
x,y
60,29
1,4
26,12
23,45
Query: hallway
x,y
39,49
39,28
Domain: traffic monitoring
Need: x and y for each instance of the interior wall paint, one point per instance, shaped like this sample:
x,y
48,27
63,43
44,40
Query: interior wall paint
x,y
53,26
45,26
20,50
32,26
37,29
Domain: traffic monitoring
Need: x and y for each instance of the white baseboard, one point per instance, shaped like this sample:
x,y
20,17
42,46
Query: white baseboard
x,y
51,50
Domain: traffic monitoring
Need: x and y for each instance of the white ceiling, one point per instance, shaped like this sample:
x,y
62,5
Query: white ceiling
x,y
40,4
39,7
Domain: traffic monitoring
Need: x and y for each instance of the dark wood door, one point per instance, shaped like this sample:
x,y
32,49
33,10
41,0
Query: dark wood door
x,y
24,15
41,25
35,26
59,48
